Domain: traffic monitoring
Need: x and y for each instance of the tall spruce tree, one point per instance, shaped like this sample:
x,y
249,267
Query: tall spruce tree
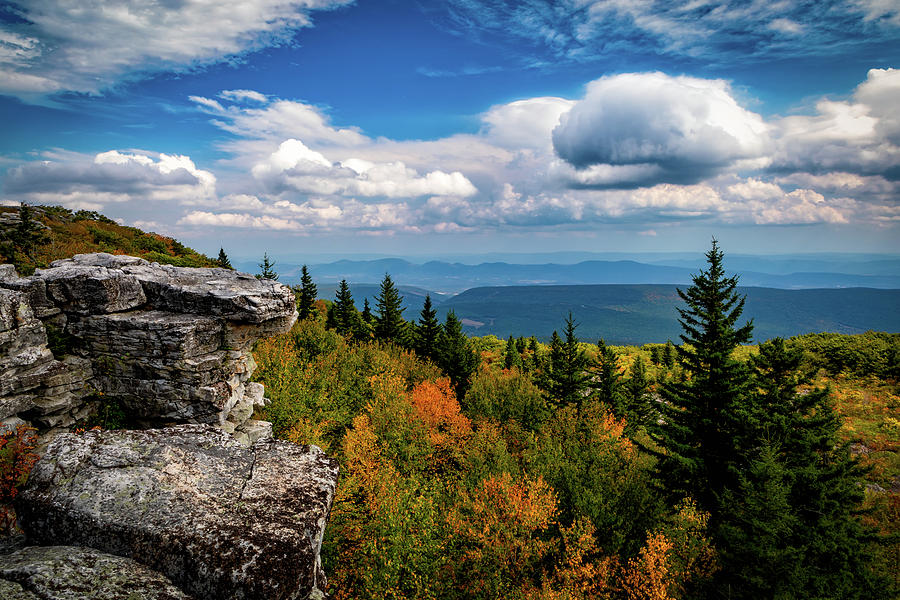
x,y
223,261
607,381
639,410
511,356
345,313
389,323
567,377
428,332
455,355
367,315
789,530
699,415
307,297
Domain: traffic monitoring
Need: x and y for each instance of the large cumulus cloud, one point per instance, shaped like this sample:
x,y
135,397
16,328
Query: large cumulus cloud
x,y
660,128
92,182
860,135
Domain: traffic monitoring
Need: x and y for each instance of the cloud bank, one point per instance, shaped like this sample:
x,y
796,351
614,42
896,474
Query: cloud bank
x,y
638,150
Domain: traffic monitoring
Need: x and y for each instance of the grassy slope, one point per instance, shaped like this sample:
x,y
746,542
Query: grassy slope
x,y
83,232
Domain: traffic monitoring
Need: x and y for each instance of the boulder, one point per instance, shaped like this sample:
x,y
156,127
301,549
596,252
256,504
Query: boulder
x,y
220,519
73,573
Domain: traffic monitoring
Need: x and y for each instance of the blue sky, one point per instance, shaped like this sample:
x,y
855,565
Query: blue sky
x,y
328,126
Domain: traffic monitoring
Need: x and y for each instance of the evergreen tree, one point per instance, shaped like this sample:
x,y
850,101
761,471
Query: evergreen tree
x,y
455,355
698,415
223,261
521,345
389,322
790,530
608,385
654,355
428,332
267,269
511,357
638,406
345,312
307,296
367,315
567,377
668,355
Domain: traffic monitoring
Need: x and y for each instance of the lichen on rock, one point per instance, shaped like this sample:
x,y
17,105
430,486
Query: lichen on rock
x,y
220,519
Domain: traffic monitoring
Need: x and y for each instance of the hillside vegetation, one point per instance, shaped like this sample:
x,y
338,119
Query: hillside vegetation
x,y
52,232
489,468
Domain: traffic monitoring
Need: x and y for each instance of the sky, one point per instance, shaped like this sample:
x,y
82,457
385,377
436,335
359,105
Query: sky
x,y
306,127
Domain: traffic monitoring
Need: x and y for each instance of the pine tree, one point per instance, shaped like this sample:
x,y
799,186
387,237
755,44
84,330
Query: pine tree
x,y
307,295
428,332
790,530
698,415
608,385
367,315
521,345
511,356
267,269
668,356
223,261
345,313
654,355
638,406
455,355
567,377
389,322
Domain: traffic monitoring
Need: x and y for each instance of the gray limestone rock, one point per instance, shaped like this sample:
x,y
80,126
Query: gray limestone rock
x,y
207,291
73,573
220,519
85,289
170,344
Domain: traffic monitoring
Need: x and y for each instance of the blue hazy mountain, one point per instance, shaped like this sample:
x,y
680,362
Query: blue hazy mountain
x,y
637,314
787,272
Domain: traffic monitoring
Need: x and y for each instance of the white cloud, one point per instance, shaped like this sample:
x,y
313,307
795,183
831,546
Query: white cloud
x,y
239,220
277,120
244,96
673,129
83,181
860,135
88,46
296,167
525,123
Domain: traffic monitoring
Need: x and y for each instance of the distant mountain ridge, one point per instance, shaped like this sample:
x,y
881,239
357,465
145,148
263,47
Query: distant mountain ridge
x,y
638,314
452,278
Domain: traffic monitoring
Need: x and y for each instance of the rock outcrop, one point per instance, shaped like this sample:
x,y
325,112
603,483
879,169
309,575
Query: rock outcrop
x,y
210,506
67,573
170,344
220,519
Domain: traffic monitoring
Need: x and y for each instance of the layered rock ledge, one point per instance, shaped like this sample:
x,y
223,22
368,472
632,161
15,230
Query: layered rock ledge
x,y
219,519
170,344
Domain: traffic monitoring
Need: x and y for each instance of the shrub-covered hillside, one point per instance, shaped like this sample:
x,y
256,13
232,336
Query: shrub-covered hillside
x,y
34,236
483,468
